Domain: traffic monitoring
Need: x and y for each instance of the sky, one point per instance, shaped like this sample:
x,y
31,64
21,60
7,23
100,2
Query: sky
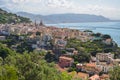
x,y
107,8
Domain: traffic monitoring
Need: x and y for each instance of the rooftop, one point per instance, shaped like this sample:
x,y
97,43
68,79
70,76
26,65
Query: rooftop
x,y
82,75
94,77
66,58
90,65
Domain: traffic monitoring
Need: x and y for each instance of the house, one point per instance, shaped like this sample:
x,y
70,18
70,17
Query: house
x,y
61,43
91,68
83,76
95,77
4,32
2,38
34,46
107,57
107,41
117,61
104,77
79,66
65,61
59,47
93,59
70,52
105,67
75,52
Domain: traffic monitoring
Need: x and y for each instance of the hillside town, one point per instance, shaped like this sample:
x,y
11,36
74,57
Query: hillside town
x,y
54,40
41,35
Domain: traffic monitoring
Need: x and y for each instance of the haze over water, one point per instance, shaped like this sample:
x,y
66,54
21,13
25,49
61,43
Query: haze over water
x,y
111,28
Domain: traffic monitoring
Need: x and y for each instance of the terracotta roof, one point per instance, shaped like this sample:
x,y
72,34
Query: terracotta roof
x,y
66,58
94,77
104,76
82,75
90,65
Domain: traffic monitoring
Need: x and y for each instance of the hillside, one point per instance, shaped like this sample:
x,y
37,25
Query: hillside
x,y
6,17
65,18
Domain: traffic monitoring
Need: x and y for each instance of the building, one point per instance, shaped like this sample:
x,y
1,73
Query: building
x,y
91,68
2,38
107,57
116,61
105,77
65,61
34,46
95,77
107,41
59,47
82,76
105,68
70,52
79,66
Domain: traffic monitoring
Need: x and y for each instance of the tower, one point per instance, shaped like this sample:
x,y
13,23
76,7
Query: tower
x,y
35,23
41,23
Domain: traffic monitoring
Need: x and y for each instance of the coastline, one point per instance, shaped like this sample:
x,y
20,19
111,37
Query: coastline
x,y
110,28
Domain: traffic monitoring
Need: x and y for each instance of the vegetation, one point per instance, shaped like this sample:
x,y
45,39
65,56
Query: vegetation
x,y
4,51
8,73
50,57
83,57
27,66
85,49
38,65
97,34
20,45
115,73
106,36
6,17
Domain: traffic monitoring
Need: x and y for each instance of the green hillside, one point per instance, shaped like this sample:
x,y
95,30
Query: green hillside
x,y
6,17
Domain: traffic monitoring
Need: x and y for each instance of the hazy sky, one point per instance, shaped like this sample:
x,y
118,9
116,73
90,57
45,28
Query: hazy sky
x,y
107,8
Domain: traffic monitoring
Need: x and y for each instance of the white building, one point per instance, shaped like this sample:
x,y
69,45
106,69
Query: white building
x,y
105,57
2,38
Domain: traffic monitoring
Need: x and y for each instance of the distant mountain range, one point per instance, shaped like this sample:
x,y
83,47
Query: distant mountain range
x,y
65,18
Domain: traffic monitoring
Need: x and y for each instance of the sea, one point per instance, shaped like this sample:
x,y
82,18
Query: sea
x,y
110,28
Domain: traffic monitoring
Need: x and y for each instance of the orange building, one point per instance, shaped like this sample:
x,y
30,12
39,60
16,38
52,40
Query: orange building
x,y
65,61
94,77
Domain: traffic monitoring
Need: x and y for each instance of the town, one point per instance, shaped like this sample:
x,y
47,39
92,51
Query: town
x,y
83,54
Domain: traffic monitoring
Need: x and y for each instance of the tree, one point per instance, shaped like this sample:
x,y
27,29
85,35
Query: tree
x,y
4,51
38,33
106,36
97,35
63,51
32,66
66,76
49,57
8,73
83,57
115,73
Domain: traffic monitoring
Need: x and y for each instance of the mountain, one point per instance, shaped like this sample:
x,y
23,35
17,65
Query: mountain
x,y
33,17
5,9
6,17
64,18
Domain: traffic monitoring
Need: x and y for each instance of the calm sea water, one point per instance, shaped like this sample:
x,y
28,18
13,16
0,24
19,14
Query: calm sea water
x,y
111,28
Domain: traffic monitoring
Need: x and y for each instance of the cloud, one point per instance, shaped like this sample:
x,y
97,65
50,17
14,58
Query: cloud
x,y
62,6
18,1
59,3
